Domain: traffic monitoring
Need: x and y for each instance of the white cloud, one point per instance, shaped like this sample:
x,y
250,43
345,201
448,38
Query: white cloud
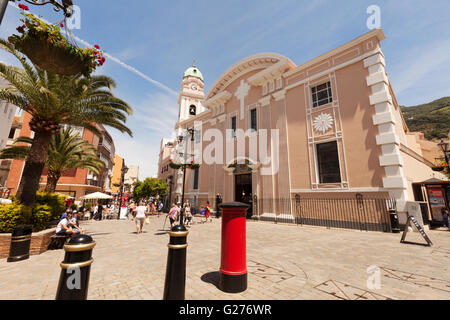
x,y
138,151
154,118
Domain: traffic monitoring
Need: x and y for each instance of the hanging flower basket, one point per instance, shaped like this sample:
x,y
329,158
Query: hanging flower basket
x,y
175,165
441,167
47,48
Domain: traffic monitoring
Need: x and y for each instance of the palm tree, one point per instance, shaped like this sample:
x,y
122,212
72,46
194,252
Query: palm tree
x,y
53,100
66,151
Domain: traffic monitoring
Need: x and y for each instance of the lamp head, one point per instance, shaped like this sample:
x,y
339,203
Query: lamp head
x,y
444,146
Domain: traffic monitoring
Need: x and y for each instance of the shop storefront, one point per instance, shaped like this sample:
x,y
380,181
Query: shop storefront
x,y
436,194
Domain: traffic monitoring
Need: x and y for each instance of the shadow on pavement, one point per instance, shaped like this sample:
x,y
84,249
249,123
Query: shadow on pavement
x,y
211,277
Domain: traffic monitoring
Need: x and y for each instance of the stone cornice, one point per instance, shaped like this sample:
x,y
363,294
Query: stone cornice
x,y
265,101
255,62
271,73
280,95
374,33
218,100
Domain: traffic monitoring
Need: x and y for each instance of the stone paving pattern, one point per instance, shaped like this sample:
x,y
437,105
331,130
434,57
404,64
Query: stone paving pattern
x,y
285,262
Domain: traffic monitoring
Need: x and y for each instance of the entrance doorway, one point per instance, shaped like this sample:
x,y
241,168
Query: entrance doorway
x,y
243,191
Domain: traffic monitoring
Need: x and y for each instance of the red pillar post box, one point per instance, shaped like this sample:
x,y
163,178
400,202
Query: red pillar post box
x,y
233,269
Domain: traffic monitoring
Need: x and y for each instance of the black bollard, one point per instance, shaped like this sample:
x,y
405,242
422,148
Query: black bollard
x,y
175,285
20,243
76,269
218,203
394,221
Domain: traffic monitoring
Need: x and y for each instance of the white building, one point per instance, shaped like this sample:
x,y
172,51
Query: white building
x,y
7,113
132,176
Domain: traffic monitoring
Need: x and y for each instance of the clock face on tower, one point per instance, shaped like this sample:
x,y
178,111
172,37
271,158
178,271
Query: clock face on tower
x,y
194,87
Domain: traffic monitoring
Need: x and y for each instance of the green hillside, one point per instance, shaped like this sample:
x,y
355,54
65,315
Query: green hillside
x,y
432,118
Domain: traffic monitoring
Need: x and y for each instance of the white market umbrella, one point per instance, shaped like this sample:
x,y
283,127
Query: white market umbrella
x,y
97,195
5,201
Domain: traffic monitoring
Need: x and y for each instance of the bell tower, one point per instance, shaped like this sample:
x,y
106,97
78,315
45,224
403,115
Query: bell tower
x,y
192,94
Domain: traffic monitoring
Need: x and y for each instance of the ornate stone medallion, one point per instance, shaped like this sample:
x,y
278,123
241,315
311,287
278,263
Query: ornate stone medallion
x,y
323,123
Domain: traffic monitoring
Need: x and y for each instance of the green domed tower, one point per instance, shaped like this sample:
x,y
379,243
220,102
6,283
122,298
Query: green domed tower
x,y
192,94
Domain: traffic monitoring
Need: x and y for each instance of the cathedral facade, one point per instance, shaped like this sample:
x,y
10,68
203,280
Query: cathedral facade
x,y
272,134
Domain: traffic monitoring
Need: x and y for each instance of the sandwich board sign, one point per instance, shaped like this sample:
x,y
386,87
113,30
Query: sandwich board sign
x,y
412,221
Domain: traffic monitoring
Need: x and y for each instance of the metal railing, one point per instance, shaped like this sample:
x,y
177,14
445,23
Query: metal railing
x,y
360,213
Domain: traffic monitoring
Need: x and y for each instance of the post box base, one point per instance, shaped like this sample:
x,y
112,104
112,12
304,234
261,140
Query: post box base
x,y
233,283
18,258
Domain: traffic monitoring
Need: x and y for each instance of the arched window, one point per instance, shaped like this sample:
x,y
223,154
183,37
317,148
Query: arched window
x,y
193,110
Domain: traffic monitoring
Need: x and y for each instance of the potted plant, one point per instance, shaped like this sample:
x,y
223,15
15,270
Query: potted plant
x,y
47,48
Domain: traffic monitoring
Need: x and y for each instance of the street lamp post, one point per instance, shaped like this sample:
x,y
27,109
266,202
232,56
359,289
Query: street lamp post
x,y
185,154
444,147
168,203
65,5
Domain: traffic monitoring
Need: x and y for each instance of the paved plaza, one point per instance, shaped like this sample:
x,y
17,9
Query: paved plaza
x,y
285,262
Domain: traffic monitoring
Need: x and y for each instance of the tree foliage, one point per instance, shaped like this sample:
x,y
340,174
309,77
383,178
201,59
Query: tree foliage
x,y
150,187
53,100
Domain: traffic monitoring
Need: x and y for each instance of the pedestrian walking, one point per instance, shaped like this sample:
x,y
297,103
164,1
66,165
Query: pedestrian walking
x,y
141,214
203,212
173,215
188,214
444,212
208,212
160,208
153,208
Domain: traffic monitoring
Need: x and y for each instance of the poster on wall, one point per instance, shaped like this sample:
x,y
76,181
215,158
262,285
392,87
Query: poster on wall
x,y
437,202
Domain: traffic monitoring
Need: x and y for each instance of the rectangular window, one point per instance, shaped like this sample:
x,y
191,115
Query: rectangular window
x,y
195,180
328,163
12,133
322,94
233,126
253,120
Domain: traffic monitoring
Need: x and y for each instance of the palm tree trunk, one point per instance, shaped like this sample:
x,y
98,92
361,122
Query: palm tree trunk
x,y
34,165
52,181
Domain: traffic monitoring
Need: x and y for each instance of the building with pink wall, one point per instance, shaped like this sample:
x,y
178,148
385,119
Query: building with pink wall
x,y
270,131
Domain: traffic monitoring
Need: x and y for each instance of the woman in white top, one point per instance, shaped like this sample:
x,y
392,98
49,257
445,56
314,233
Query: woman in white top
x,y
141,214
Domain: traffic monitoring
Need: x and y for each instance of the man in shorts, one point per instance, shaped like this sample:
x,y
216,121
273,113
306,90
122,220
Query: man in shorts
x,y
64,227
75,224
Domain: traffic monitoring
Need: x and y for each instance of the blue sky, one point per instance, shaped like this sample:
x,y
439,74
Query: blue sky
x,y
160,39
